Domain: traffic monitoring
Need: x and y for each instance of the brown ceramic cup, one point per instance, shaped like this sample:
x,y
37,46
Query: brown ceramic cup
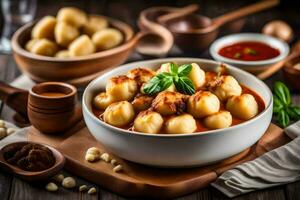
x,y
52,107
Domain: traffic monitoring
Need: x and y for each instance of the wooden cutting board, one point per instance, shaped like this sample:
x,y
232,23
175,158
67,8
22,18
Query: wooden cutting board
x,y
142,181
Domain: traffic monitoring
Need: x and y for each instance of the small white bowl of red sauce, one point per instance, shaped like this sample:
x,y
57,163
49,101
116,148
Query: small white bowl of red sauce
x,y
253,52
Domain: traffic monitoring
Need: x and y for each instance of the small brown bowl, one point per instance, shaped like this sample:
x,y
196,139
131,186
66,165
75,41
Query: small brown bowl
x,y
52,107
292,73
78,70
28,175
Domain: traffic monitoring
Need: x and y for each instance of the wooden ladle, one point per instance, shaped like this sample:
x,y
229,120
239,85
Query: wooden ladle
x,y
277,66
29,175
149,42
196,32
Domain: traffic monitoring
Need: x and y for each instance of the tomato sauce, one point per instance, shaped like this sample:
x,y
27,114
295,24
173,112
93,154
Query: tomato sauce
x,y
199,122
249,51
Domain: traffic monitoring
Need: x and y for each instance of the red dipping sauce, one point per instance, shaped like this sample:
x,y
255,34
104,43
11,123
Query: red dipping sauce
x,y
249,51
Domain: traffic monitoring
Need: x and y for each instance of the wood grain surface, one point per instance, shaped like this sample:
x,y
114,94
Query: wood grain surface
x,y
14,189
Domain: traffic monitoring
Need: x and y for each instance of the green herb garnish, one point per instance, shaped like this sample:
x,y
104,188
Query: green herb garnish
x,y
250,51
283,108
177,75
237,55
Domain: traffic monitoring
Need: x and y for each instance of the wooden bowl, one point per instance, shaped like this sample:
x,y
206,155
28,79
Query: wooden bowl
x,y
28,175
292,74
78,70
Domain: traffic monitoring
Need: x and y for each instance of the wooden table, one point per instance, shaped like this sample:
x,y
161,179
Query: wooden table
x,y
14,188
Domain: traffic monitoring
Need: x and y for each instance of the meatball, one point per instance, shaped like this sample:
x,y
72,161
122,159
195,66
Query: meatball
x,y
122,88
243,107
141,75
225,87
222,119
119,114
197,76
168,103
184,123
148,122
203,103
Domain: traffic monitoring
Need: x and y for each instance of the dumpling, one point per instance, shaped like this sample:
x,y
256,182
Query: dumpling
x,y
62,54
197,76
222,119
184,123
81,46
107,38
30,44
102,101
172,88
121,88
119,114
142,102
65,33
72,16
94,24
203,103
141,75
243,107
165,67
44,47
44,28
225,87
168,103
148,122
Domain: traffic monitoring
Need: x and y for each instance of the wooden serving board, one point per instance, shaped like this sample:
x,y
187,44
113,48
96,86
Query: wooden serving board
x,y
142,181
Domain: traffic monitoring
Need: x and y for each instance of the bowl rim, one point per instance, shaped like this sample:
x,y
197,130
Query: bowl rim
x,y
238,37
144,63
129,39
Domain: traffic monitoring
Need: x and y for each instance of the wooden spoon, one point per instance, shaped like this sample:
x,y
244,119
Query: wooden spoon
x,y
277,66
28,175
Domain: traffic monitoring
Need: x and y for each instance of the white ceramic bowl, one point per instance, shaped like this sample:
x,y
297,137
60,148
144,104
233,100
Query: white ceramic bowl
x,y
251,66
183,150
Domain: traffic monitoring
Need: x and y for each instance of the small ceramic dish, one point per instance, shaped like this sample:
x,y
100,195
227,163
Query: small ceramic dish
x,y
29,175
178,150
251,66
291,72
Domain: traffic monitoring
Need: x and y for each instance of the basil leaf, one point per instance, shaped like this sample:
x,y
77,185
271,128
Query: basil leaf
x,y
282,92
185,85
283,118
293,112
162,75
277,105
165,83
173,68
184,70
152,87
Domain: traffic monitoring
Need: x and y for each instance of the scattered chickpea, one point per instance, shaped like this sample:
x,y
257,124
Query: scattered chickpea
x,y
92,154
105,157
118,168
59,177
114,162
92,190
93,150
51,187
3,133
10,131
82,188
68,182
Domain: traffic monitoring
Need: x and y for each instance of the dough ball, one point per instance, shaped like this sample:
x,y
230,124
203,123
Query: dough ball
x,y
141,75
165,67
65,33
119,114
218,120
225,87
142,102
197,76
102,101
44,47
30,44
94,24
184,123
121,88
72,16
107,38
168,103
203,103
148,122
62,54
81,46
44,28
243,107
